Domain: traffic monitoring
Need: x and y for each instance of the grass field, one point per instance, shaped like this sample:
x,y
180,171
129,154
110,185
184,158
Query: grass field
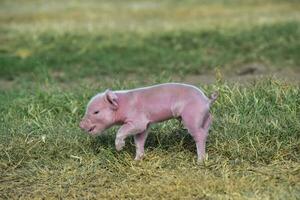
x,y
55,55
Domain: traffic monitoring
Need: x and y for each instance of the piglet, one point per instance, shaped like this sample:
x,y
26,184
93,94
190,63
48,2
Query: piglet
x,y
135,110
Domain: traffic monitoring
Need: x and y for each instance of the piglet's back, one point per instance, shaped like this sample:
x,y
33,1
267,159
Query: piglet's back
x,y
157,101
168,91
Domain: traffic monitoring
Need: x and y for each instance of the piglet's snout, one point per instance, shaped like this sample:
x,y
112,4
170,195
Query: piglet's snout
x,y
81,125
84,124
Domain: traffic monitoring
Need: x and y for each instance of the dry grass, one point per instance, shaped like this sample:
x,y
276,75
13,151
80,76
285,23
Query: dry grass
x,y
142,16
253,150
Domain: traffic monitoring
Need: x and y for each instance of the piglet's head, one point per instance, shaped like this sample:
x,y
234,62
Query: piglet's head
x,y
100,112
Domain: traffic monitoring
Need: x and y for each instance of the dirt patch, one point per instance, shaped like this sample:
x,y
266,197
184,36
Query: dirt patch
x,y
244,74
251,69
288,75
6,84
196,79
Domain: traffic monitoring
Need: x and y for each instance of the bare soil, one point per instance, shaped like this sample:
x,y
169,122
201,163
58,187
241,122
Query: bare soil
x,y
243,75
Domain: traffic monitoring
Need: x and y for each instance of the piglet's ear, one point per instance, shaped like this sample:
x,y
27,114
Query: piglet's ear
x,y
112,99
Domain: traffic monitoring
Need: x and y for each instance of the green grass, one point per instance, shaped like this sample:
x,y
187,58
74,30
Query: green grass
x,y
54,56
193,37
253,149
183,52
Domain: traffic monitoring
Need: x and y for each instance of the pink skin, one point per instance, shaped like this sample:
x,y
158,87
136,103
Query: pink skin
x,y
136,109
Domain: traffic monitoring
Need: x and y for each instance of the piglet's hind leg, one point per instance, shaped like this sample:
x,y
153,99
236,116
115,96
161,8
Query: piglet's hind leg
x,y
198,124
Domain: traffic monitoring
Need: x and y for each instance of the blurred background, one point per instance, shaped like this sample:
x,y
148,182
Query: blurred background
x,y
74,42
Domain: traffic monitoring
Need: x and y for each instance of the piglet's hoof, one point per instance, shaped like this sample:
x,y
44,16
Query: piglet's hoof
x,y
202,160
139,157
120,144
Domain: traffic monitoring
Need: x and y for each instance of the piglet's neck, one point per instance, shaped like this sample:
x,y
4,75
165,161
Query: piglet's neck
x,y
120,116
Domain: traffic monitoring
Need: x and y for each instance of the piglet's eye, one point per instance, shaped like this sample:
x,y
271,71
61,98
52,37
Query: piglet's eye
x,y
96,112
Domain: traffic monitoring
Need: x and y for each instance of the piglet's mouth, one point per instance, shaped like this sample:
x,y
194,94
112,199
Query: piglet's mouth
x,y
92,128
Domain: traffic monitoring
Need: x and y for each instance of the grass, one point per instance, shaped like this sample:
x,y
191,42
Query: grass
x,y
182,51
143,16
54,56
192,37
253,149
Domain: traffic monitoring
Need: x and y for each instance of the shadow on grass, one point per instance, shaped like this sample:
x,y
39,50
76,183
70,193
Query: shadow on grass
x,y
159,137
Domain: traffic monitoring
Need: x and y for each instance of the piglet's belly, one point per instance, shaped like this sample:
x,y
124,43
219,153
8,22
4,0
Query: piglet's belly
x,y
159,115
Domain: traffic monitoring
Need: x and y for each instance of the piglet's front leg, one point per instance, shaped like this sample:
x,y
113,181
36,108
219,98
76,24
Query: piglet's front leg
x,y
127,130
